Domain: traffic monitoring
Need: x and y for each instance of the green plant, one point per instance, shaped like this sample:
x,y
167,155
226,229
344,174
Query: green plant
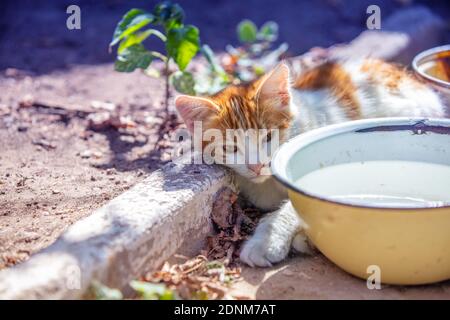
x,y
255,55
99,291
248,33
213,78
251,59
182,42
153,291
144,290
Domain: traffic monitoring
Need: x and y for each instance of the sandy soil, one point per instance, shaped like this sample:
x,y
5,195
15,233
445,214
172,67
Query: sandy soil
x,y
315,277
54,168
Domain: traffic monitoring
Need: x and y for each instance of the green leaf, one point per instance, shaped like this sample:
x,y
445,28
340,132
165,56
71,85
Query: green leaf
x,y
212,60
268,31
215,264
200,295
135,56
246,31
152,291
183,82
183,44
131,22
169,15
102,292
138,38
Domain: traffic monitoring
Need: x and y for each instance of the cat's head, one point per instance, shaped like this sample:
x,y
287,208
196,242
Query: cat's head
x,y
252,119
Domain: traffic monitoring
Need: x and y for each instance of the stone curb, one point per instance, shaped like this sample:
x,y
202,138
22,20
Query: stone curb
x,y
167,213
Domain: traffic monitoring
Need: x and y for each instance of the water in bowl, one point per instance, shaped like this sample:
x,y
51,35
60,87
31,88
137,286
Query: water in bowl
x,y
382,183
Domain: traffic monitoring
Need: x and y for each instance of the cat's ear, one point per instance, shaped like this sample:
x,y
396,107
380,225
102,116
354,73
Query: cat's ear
x,y
275,88
193,109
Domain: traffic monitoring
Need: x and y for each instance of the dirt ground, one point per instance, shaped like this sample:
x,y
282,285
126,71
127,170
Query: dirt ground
x,y
55,165
55,168
315,277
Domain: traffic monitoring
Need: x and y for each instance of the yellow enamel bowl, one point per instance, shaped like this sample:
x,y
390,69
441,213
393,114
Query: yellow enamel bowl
x,y
404,243
425,66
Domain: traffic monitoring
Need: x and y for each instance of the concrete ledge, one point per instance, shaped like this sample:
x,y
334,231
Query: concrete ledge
x,y
167,213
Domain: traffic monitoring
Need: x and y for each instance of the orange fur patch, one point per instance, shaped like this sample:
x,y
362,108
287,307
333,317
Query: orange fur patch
x,y
333,77
239,110
386,74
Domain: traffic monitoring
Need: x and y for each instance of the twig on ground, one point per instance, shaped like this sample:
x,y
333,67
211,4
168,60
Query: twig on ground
x,y
196,278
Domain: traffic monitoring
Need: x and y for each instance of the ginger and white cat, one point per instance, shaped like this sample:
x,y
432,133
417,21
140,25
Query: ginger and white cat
x,y
330,93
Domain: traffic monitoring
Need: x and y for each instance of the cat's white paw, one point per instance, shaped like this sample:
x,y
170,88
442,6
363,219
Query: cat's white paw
x,y
270,244
301,244
258,252
272,238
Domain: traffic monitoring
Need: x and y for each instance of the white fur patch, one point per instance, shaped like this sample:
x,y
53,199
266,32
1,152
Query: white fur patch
x,y
272,239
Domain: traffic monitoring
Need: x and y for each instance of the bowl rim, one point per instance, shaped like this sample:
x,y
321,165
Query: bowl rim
x,y
418,59
289,148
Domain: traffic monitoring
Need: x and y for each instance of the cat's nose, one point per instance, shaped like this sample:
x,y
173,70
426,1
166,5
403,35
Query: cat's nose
x,y
256,168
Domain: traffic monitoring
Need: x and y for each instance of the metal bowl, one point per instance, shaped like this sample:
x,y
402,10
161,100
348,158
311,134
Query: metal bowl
x,y
424,60
409,243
